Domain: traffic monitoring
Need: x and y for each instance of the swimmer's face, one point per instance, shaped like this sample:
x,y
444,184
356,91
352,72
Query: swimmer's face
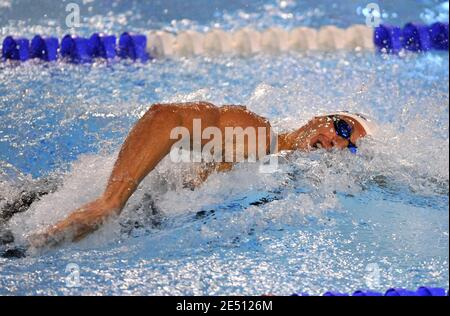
x,y
321,133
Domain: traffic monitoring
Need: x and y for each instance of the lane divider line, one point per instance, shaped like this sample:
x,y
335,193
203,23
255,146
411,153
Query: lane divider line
x,y
245,42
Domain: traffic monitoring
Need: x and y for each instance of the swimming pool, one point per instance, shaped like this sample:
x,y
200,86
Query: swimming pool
x,y
328,221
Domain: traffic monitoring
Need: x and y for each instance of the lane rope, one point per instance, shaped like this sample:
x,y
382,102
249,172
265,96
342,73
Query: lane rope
x,y
246,41
421,291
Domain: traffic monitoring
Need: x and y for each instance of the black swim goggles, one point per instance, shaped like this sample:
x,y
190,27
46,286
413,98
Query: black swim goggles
x,y
344,130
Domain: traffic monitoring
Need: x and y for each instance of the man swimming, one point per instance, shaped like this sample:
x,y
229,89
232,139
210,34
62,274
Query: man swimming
x,y
152,138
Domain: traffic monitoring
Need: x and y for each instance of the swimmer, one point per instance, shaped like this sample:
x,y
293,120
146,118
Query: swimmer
x,y
150,141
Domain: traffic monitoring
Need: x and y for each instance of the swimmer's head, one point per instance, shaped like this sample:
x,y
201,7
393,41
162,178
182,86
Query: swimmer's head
x,y
336,130
360,121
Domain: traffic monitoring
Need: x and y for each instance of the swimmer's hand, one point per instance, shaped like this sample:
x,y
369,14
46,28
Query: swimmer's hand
x,y
76,226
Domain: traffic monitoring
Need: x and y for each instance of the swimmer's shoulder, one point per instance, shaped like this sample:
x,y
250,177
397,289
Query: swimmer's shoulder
x,y
241,111
233,107
197,106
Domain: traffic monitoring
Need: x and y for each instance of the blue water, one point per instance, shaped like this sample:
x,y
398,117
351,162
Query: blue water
x,y
333,221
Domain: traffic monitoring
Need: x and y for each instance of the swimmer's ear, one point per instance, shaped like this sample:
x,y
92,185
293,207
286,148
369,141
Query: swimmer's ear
x,y
321,141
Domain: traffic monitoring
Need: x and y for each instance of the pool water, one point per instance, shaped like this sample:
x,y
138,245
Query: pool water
x,y
325,221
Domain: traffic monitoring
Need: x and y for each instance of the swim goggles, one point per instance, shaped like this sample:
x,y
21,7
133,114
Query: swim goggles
x,y
344,130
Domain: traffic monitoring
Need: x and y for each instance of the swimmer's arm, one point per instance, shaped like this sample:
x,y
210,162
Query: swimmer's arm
x,y
146,145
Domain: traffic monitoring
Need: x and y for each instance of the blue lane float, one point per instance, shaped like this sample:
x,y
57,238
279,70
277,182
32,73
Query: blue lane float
x,y
45,48
16,49
421,291
102,46
416,37
75,49
439,35
430,291
133,46
412,37
388,39
367,293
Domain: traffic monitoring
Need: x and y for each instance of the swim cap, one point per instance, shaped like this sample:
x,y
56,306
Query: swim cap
x,y
369,125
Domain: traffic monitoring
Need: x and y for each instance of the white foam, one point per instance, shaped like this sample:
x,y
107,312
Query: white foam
x,y
84,183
